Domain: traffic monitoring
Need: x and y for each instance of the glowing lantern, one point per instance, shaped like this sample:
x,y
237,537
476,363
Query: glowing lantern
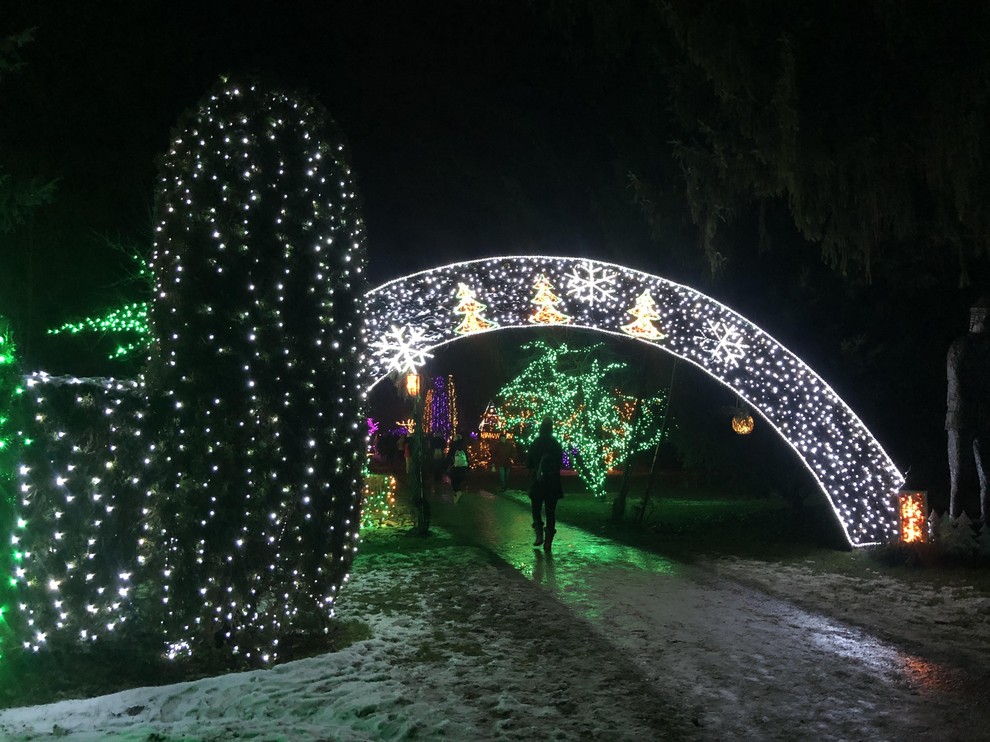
x,y
912,506
742,423
412,385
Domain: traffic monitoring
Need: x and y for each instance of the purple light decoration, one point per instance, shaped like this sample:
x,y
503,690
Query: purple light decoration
x,y
372,427
440,422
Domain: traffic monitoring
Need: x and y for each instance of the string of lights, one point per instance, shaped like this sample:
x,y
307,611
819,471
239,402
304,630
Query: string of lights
x,y
259,441
78,508
130,320
226,479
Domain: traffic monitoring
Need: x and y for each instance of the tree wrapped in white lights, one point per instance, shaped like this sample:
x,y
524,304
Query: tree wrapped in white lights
x,y
254,440
218,494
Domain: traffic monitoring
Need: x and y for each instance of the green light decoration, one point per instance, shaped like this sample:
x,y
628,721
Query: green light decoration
x,y
12,442
592,417
129,320
11,388
377,500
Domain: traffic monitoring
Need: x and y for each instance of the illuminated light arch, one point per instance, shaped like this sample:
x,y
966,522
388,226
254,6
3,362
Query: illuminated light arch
x,y
409,317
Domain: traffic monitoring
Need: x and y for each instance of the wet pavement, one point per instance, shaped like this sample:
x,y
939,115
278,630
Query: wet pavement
x,y
742,664
501,524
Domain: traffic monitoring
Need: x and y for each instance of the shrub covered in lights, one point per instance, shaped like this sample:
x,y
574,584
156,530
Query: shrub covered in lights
x,y
377,499
79,509
594,419
216,496
258,264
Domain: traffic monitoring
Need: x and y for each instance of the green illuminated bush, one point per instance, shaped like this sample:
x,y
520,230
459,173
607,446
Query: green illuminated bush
x,y
597,423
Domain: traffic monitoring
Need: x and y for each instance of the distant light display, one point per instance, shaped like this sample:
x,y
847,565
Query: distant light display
x,y
912,508
594,421
490,427
377,500
440,408
850,466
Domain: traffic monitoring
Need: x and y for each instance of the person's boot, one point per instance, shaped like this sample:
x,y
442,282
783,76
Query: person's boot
x,y
539,534
548,541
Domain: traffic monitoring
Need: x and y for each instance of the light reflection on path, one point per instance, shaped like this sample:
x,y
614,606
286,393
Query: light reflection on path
x,y
743,662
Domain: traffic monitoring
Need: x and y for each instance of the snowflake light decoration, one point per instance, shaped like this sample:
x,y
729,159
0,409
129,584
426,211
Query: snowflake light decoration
x,y
588,282
724,342
402,349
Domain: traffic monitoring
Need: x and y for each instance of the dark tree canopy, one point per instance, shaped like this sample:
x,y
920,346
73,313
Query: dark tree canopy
x,y
18,197
863,126
866,121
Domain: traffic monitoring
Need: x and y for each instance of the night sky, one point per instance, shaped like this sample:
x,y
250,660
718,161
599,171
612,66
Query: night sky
x,y
476,128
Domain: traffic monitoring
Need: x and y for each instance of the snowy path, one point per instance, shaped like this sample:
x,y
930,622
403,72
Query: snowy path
x,y
738,662
478,636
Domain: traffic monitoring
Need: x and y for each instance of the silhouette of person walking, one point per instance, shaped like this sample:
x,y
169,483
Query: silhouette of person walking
x,y
544,461
459,463
967,420
502,460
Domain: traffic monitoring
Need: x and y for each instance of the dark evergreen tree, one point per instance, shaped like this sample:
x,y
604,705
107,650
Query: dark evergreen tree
x,y
19,197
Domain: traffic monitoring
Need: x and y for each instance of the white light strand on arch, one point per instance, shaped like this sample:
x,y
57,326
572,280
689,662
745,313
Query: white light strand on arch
x,y
850,466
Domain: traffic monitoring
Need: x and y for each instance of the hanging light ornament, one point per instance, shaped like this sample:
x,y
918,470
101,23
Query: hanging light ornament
x,y
742,423
412,385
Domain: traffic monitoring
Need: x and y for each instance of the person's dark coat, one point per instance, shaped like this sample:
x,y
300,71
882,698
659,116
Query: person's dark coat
x,y
546,446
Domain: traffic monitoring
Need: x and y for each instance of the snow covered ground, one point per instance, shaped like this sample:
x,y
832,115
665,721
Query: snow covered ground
x,y
476,635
